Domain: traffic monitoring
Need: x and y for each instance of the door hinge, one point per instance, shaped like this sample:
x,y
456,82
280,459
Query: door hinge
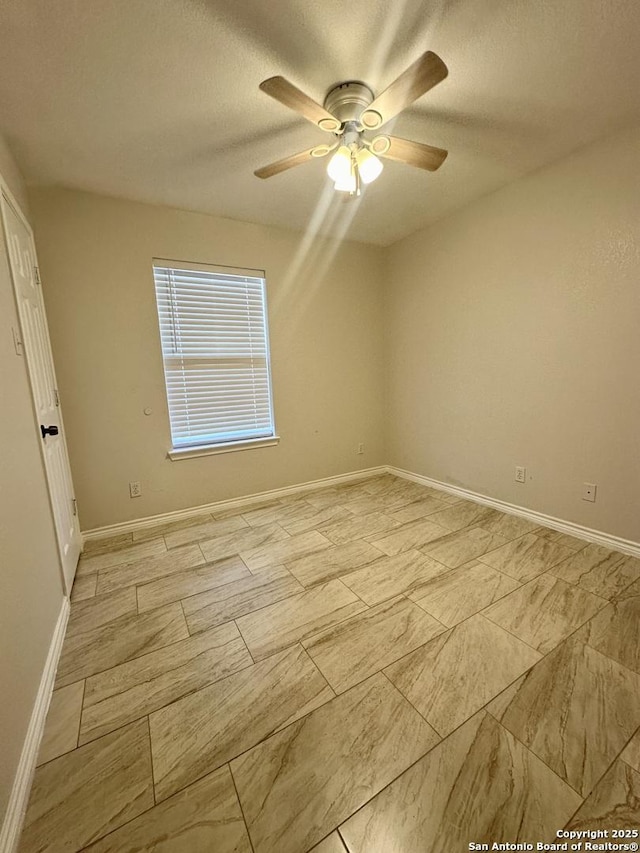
x,y
36,272
75,506
56,396
17,342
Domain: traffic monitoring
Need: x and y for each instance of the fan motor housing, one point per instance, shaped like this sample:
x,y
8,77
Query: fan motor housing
x,y
348,100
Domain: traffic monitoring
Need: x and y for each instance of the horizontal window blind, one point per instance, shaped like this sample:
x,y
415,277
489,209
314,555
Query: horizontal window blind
x,y
215,347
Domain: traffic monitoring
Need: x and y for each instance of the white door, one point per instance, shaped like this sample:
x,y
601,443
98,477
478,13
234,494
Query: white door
x,y
35,337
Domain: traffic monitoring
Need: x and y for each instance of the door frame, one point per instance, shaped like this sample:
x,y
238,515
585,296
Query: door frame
x,y
7,197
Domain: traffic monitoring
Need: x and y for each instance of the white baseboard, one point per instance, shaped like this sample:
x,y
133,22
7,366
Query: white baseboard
x,y
19,798
626,546
233,503
598,537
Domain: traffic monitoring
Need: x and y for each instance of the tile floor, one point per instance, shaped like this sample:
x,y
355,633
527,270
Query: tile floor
x,y
377,667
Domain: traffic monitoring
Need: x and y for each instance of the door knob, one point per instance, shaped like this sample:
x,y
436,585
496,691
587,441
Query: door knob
x,y
50,430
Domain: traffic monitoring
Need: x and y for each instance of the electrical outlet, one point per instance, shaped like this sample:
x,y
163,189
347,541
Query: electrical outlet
x,y
521,474
135,489
589,492
360,449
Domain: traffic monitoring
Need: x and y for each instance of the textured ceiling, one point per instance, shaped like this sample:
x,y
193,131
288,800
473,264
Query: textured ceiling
x,y
158,100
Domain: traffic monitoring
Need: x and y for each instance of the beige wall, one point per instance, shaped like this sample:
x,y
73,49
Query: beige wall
x,y
12,176
513,338
325,322
30,582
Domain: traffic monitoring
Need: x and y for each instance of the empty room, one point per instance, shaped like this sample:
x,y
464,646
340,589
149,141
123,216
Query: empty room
x,y
320,434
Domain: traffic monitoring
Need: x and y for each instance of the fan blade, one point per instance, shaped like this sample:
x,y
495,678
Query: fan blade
x,y
284,164
423,75
414,154
290,96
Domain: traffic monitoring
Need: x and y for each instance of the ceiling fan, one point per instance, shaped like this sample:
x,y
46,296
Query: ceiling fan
x,y
349,112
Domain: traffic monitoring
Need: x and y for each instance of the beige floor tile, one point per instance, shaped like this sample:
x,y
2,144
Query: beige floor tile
x,y
391,576
204,818
333,562
302,782
457,673
464,514
190,582
417,509
201,732
598,570
499,705
561,538
244,507
293,619
121,556
331,844
366,504
489,575
353,650
89,792
323,497
461,547
143,571
409,537
480,785
84,587
631,753
526,557
285,551
459,593
361,488
614,803
544,611
235,599
575,710
205,530
63,722
441,495
615,630
416,491
100,610
388,484
279,513
316,518
242,540
358,527
508,526
144,533
106,543
121,640
138,687
341,489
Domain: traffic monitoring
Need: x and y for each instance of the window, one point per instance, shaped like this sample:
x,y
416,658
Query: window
x,y
215,347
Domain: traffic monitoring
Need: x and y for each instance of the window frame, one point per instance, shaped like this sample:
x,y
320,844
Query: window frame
x,y
188,451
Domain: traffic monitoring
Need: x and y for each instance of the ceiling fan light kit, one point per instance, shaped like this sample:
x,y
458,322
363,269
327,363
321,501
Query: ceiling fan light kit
x,y
369,166
348,184
339,167
353,163
349,111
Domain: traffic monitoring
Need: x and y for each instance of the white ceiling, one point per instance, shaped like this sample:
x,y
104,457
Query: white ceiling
x,y
158,100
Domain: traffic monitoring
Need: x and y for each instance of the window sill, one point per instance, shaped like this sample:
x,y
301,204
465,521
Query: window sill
x,y
213,449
